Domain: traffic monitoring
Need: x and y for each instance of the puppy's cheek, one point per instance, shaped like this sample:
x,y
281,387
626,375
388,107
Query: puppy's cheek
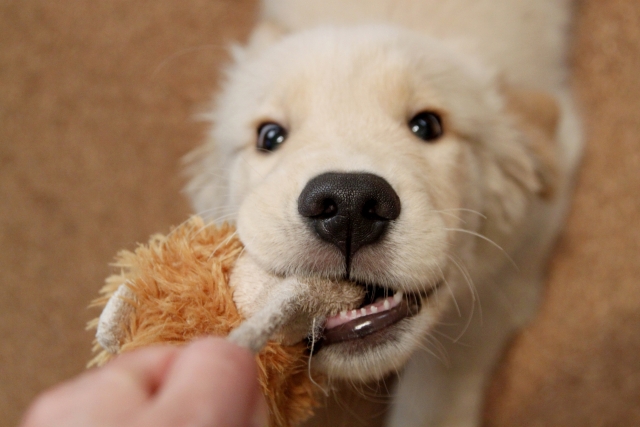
x,y
257,220
249,283
413,255
275,237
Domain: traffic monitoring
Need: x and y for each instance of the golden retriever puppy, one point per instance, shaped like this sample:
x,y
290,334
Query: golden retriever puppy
x,y
420,151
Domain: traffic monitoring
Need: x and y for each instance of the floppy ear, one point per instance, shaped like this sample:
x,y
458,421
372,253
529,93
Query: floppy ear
x,y
521,162
536,114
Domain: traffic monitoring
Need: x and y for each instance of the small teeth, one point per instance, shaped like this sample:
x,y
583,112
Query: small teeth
x,y
397,297
378,306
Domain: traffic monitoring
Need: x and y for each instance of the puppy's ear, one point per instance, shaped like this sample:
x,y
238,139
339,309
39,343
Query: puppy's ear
x,y
536,115
263,36
520,163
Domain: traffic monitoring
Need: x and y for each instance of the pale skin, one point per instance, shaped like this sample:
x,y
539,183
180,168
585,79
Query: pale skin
x,y
208,383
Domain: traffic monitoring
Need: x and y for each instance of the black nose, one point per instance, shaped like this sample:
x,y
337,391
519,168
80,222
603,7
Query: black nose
x,y
349,210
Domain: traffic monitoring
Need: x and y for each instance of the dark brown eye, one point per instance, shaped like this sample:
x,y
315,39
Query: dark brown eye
x,y
427,126
270,136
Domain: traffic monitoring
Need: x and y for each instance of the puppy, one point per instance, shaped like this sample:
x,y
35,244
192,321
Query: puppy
x,y
419,151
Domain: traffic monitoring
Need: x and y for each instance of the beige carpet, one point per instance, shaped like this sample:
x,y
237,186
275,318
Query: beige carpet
x,y
96,107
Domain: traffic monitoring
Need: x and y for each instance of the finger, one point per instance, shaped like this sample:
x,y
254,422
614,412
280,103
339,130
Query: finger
x,y
145,368
104,396
211,383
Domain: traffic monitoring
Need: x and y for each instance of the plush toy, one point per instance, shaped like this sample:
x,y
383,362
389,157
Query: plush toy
x,y
176,288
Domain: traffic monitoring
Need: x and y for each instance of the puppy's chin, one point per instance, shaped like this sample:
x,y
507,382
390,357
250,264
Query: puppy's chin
x,y
382,352
349,344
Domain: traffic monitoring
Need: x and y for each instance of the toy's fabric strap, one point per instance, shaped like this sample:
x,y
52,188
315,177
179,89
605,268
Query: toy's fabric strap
x,y
255,331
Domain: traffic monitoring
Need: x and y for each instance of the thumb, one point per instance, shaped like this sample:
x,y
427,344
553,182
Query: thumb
x,y
212,382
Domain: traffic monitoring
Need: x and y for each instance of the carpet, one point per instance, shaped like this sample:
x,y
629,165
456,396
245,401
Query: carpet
x,y
97,107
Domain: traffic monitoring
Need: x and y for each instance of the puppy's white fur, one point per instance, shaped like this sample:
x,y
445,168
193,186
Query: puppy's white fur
x,y
344,77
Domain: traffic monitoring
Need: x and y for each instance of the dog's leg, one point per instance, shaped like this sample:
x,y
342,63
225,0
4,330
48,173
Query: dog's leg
x,y
444,383
435,392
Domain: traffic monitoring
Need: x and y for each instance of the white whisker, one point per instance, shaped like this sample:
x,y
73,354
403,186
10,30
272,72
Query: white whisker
x,y
449,214
465,210
474,296
313,343
480,236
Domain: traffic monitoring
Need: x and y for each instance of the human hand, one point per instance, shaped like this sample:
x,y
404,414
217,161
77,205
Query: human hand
x,y
208,383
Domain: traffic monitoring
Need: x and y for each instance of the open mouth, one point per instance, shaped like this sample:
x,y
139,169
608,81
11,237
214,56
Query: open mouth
x,y
381,309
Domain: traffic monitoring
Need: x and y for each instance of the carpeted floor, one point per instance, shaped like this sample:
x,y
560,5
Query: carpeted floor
x,y
97,101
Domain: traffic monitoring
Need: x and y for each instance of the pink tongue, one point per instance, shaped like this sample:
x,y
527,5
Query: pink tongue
x,y
381,305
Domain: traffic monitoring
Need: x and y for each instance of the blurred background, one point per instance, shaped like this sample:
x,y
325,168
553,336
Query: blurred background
x,y
97,107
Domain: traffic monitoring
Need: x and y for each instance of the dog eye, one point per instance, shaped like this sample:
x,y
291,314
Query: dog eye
x,y
426,126
270,136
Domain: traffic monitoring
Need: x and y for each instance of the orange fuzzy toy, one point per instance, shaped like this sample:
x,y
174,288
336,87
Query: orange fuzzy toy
x,y
178,289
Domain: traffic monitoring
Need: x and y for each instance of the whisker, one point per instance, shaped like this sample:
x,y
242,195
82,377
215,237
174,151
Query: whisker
x,y
452,339
473,296
207,213
218,219
441,355
313,343
465,210
473,233
242,157
453,296
449,214
224,242
226,177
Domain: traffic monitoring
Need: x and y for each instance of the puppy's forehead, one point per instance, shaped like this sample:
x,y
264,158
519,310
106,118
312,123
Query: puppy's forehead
x,y
383,70
369,78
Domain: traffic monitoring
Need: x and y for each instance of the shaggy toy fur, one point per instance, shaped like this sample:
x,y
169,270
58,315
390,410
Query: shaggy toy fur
x,y
180,284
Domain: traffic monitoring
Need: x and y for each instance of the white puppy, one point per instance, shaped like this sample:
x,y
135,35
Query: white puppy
x,y
420,151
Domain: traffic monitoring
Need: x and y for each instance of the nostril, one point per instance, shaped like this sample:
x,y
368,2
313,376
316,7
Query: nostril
x,y
317,207
329,209
369,210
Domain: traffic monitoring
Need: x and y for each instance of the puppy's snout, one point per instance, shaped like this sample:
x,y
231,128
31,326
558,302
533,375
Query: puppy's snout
x,y
349,210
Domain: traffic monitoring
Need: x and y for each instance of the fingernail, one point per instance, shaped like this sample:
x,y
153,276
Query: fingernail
x,y
261,413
